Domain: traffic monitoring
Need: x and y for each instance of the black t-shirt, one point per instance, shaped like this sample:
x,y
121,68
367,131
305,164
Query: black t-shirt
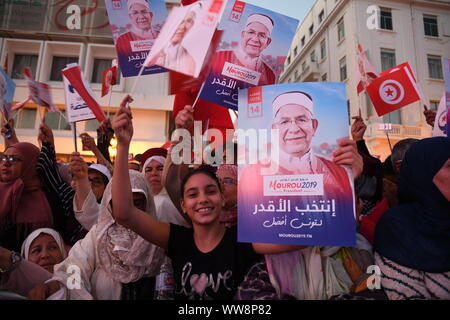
x,y
208,276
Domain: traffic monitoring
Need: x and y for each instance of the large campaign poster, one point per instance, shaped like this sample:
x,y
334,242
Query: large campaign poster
x,y
252,52
7,88
135,24
290,191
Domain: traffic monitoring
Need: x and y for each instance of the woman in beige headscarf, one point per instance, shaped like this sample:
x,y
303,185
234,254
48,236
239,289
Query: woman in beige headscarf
x,y
108,258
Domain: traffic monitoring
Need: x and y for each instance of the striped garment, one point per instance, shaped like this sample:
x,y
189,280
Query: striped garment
x,y
68,226
402,283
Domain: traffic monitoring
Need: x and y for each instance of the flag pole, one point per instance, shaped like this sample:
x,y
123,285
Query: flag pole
x,y
198,95
389,140
109,103
136,80
74,129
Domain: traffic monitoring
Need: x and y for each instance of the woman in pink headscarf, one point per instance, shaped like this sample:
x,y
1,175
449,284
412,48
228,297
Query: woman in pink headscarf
x,y
23,205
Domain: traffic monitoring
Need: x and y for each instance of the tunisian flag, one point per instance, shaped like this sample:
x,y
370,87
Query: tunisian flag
x,y
73,73
393,90
109,78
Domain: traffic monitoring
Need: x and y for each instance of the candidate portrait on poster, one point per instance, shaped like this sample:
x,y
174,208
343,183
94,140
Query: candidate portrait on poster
x,y
297,194
251,53
186,37
135,25
254,38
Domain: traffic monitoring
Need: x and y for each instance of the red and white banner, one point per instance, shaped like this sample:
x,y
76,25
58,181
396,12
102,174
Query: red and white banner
x,y
76,108
109,78
73,74
393,90
365,72
38,92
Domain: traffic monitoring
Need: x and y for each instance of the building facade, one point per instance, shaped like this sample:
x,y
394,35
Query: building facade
x,y
391,32
35,34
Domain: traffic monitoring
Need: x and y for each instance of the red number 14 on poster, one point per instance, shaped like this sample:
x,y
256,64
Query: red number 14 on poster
x,y
236,13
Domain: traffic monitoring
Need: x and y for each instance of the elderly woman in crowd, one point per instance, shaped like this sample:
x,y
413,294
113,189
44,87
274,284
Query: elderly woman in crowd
x,y
114,262
41,251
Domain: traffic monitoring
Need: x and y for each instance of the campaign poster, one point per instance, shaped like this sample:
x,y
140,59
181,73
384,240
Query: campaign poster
x,y
447,93
186,36
179,82
251,53
135,25
7,88
290,191
77,109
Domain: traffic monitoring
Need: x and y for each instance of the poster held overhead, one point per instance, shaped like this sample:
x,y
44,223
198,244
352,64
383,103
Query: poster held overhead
x,y
76,108
7,88
251,53
75,77
185,38
290,191
135,24
441,123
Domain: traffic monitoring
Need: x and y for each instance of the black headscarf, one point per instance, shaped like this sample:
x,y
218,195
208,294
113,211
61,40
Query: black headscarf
x,y
416,234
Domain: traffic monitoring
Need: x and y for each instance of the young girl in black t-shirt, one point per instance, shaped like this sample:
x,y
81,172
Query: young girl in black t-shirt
x,y
208,261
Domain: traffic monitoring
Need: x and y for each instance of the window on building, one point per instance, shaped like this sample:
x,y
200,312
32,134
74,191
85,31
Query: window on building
x,y
289,60
58,64
303,41
303,66
343,69
394,117
435,67
369,106
430,25
311,30
386,19
434,105
313,56
25,119
387,59
56,122
295,51
324,77
99,66
321,15
341,29
296,74
323,49
21,61
348,113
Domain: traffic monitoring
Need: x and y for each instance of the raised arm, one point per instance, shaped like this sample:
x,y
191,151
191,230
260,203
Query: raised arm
x,y
124,212
173,174
79,171
89,143
9,134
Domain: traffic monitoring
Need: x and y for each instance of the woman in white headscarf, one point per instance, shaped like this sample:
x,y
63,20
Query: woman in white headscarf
x,y
41,251
109,259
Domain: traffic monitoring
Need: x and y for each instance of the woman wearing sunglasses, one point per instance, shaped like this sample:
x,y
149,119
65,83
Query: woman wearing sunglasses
x,y
23,205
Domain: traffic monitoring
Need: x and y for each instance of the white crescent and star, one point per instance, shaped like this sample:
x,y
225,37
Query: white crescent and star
x,y
391,92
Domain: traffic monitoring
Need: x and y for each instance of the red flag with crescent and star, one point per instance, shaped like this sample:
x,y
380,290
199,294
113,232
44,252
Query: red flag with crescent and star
x,y
393,90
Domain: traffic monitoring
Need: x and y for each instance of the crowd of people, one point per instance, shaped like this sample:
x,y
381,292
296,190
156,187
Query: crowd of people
x,y
153,229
